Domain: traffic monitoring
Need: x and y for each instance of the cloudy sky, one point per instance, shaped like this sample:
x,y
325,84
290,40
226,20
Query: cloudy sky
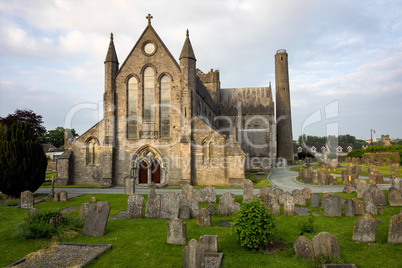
x,y
345,57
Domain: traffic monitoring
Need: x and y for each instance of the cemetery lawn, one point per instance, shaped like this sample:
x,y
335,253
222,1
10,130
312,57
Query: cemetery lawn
x,y
142,242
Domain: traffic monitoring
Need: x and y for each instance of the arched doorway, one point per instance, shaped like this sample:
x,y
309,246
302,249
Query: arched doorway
x,y
143,172
156,172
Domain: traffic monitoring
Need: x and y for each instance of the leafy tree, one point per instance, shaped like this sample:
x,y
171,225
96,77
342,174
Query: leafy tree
x,y
56,136
254,225
28,116
356,153
22,160
303,155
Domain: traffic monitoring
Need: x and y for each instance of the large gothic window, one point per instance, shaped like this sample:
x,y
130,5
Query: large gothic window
x,y
148,110
132,95
211,150
92,145
165,106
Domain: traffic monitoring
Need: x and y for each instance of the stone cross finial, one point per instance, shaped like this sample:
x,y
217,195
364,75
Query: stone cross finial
x,y
111,36
149,18
187,34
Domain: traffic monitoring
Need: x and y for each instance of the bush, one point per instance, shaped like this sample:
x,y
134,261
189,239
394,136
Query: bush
x,y
254,225
356,153
11,202
303,155
307,226
22,161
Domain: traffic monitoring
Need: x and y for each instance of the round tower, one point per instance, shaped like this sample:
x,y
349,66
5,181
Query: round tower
x,y
283,111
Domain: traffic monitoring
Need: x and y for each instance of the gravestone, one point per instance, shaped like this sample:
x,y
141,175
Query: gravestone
x,y
285,196
276,209
32,212
378,197
96,220
266,190
278,192
170,206
27,200
359,207
226,204
209,194
361,187
332,204
56,197
345,176
209,243
365,229
63,196
204,218
394,197
368,198
372,178
198,195
153,207
129,185
299,199
392,178
370,208
326,245
304,248
349,208
187,191
152,193
348,188
83,211
211,209
395,229
306,193
135,204
93,199
194,207
314,200
289,208
176,232
193,255
264,197
247,190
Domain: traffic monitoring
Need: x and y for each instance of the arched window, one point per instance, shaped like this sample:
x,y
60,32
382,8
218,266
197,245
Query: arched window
x,y
211,150
132,95
205,152
148,110
165,106
92,151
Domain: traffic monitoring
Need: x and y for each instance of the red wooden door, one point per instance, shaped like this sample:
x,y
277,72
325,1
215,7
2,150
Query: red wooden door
x,y
143,172
156,172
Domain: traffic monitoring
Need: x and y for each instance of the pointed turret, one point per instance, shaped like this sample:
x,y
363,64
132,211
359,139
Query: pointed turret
x,y
111,55
187,51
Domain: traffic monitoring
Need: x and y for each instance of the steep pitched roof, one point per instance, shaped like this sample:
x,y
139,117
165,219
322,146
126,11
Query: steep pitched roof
x,y
111,55
187,50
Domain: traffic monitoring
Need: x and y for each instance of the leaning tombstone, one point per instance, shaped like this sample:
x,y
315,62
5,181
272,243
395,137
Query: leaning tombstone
x,y
170,206
27,200
96,220
304,248
348,188
349,208
315,200
63,196
395,229
370,208
332,205
193,255
83,211
378,197
247,190
135,204
365,229
204,218
211,209
199,195
209,243
176,232
326,245
368,198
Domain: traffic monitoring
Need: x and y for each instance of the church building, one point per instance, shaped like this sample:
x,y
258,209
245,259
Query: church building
x,y
167,122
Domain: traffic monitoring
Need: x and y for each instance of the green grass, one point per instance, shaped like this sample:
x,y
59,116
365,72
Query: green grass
x,y
264,182
142,242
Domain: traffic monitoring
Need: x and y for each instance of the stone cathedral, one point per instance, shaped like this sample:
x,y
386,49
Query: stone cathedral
x,y
169,123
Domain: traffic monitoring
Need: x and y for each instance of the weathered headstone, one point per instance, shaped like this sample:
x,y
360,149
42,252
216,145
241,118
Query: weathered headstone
x,y
170,206
326,245
225,202
63,196
193,255
266,190
32,212
199,195
176,232
204,218
93,199
135,205
348,188
304,248
276,209
299,199
265,198
129,185
247,190
56,197
187,191
209,194
209,243
211,209
194,207
368,198
370,208
395,229
278,192
27,200
96,220
83,211
314,200
378,197
394,197
285,196
349,208
153,207
332,204
361,187
306,193
365,229
359,207
289,208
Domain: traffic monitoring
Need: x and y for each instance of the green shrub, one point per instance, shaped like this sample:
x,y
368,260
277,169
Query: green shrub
x,y
327,260
307,226
11,202
254,225
356,153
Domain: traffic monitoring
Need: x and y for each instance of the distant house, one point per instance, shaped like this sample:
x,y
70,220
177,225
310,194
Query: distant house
x,y
47,147
318,149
